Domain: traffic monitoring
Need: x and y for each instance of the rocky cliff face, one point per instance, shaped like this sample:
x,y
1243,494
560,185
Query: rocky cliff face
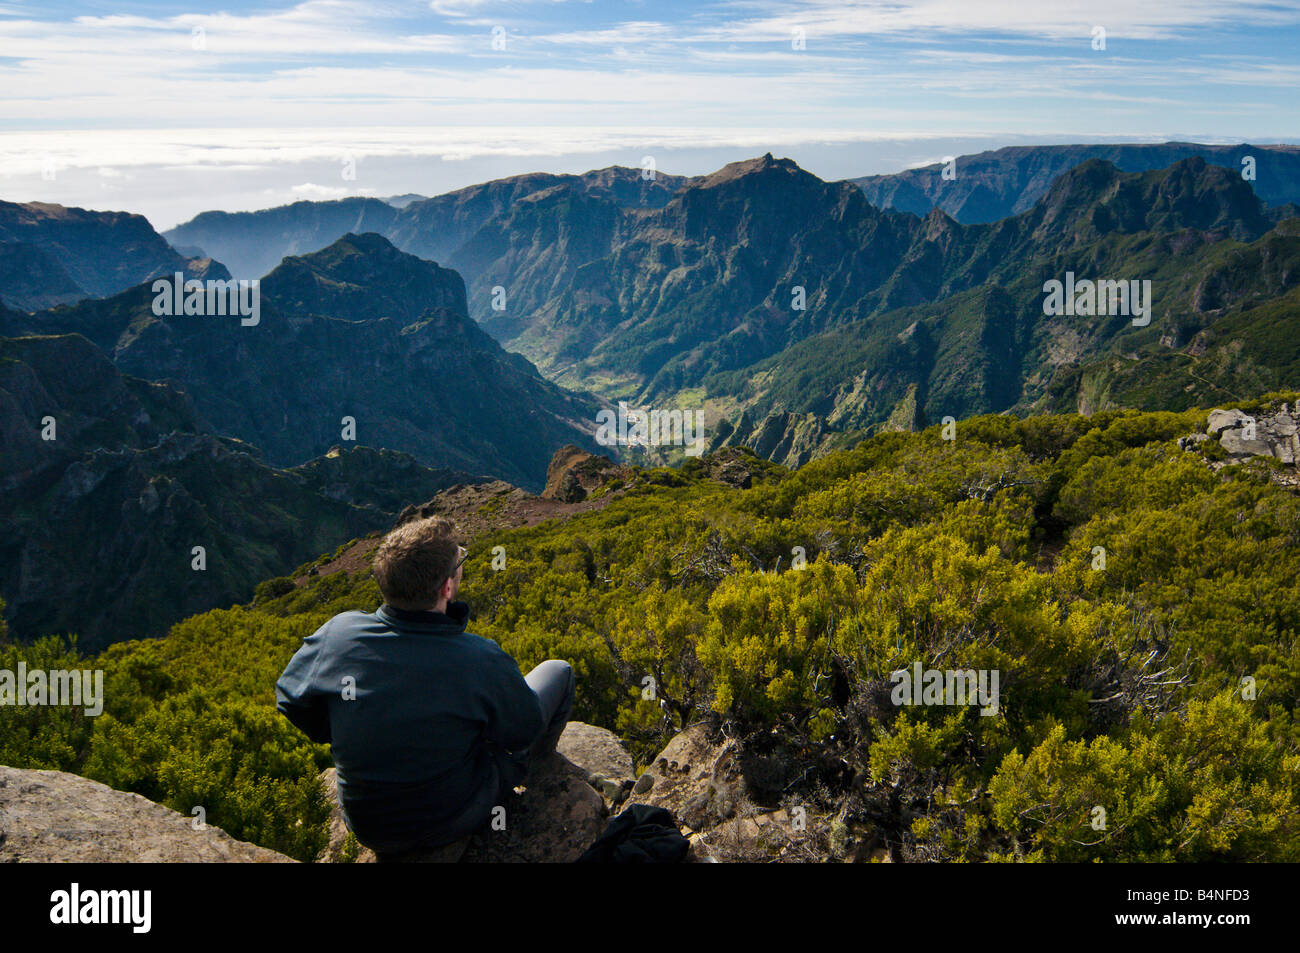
x,y
32,278
574,474
780,436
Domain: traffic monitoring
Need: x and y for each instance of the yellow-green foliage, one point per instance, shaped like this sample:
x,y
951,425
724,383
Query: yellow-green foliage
x,y
783,609
1207,785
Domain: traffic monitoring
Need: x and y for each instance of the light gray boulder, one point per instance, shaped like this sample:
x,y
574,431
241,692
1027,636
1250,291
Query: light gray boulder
x,y
55,817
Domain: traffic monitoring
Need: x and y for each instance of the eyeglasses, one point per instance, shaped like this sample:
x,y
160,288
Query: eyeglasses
x,y
461,560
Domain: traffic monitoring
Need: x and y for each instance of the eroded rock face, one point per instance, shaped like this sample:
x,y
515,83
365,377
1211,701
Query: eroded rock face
x,y
574,473
712,787
781,436
695,777
732,466
54,817
1221,420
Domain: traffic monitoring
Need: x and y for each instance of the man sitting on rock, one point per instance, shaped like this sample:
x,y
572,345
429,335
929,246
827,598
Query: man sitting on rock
x,y
430,727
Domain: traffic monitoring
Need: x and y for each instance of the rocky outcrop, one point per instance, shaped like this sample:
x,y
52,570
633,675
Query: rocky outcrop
x,y
558,814
1237,437
705,779
608,766
553,819
574,474
1271,435
54,817
736,466
695,777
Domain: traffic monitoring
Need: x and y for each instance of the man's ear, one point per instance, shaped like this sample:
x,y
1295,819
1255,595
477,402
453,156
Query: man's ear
x,y
446,592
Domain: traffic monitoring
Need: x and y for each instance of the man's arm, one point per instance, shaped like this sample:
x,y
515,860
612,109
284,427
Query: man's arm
x,y
515,714
295,693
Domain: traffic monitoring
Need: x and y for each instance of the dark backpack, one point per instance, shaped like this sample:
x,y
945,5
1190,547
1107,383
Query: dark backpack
x,y
640,835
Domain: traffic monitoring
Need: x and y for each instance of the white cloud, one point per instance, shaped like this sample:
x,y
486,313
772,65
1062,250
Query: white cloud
x,y
310,29
768,20
310,190
253,149
314,81
636,31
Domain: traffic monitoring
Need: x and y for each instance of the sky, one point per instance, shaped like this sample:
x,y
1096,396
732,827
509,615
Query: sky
x,y
168,109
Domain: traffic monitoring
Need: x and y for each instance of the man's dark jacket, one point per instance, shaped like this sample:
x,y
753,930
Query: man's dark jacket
x,y
421,748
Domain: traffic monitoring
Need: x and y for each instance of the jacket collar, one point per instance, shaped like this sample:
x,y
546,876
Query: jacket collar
x,y
455,617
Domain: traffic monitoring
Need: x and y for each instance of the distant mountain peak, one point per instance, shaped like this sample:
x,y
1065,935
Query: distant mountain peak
x,y
401,201
367,242
939,222
1190,193
765,163
335,255
367,276
1090,176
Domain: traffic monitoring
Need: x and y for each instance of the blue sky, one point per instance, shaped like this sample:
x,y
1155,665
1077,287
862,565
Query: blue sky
x,y
169,109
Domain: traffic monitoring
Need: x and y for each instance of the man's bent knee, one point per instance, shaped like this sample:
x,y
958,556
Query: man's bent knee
x,y
553,676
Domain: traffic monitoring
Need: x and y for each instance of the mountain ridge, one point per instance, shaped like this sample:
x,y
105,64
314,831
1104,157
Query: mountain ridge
x,y
995,184
433,228
85,254
406,366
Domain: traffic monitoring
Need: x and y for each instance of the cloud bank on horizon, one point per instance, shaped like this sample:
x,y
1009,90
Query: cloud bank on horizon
x,y
267,100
